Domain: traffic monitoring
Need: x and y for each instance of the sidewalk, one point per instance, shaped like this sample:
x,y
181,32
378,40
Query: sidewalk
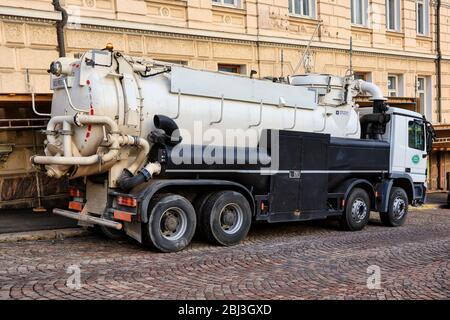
x,y
27,220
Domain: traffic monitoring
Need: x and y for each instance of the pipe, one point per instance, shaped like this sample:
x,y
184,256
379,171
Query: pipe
x,y
165,123
60,25
372,89
67,138
141,157
33,97
80,120
169,126
438,60
128,181
66,161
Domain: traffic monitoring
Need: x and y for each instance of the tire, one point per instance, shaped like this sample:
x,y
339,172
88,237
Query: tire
x,y
199,203
397,210
109,233
225,219
171,225
357,210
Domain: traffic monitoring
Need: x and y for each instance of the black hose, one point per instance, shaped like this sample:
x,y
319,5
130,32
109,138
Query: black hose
x,y
169,127
128,181
60,25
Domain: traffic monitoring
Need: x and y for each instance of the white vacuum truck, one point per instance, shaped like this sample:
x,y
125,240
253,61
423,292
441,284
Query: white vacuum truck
x,y
159,151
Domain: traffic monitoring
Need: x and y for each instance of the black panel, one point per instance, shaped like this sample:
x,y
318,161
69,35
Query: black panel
x,y
284,188
299,193
314,186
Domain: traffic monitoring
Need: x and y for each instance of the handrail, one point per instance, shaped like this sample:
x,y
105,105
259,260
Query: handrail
x,y
179,106
295,120
260,117
70,99
221,112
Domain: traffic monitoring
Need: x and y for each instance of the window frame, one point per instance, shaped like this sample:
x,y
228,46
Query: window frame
x,y
240,68
365,13
397,16
311,7
396,90
236,3
420,125
425,17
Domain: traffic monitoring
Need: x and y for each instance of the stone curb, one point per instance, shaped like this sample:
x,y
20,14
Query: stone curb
x,y
43,235
429,207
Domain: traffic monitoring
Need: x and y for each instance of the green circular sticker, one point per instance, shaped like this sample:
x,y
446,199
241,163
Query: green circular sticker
x,y
415,159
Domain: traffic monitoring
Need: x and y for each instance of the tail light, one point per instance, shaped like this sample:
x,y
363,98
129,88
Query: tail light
x,y
75,193
126,201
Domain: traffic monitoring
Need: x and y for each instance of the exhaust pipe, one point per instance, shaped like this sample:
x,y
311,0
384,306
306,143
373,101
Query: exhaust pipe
x,y
379,101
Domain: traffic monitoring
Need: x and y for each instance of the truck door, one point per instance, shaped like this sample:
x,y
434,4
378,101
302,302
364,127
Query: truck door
x,y
416,153
398,133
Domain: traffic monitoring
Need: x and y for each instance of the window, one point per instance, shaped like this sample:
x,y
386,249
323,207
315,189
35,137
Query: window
x,y
304,8
423,89
234,3
231,68
360,9
366,76
422,17
393,15
395,85
392,86
180,62
416,135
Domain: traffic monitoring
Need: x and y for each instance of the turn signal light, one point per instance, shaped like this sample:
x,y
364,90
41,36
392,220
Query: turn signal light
x,y
126,201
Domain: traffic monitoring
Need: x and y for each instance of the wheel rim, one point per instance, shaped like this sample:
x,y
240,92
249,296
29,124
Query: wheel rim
x,y
359,210
173,223
231,218
398,208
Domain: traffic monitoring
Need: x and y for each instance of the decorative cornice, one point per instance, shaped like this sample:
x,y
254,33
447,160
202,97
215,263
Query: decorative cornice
x,y
101,24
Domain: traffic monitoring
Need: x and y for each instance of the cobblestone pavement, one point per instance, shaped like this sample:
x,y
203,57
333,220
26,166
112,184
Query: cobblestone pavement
x,y
289,261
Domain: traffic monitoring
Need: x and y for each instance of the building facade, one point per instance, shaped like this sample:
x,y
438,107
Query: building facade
x,y
398,44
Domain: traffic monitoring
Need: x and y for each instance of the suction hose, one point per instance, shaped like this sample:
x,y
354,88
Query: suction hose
x,y
128,181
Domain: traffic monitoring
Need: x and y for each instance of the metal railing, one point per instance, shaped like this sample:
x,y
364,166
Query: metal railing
x,y
23,124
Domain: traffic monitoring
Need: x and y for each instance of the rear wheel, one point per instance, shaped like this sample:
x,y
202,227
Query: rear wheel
x,y
398,209
357,210
109,233
171,224
225,218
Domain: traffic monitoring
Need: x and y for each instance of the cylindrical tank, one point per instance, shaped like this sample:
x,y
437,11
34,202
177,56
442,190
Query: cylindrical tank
x,y
208,107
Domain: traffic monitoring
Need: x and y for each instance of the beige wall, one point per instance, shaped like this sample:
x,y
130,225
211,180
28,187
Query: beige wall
x,y
203,35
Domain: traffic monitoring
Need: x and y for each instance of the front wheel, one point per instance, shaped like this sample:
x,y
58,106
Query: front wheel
x,y
171,224
357,210
398,209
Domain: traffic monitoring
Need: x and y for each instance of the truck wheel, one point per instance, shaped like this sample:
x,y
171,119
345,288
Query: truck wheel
x,y
109,233
171,224
398,209
357,210
225,218
200,201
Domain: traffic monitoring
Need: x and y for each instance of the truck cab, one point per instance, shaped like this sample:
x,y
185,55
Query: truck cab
x,y
410,137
